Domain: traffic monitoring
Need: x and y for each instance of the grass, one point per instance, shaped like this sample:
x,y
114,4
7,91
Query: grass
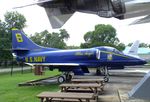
x,y
10,92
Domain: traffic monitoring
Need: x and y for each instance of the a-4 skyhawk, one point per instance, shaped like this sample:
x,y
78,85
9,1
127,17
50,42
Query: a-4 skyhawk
x,y
75,60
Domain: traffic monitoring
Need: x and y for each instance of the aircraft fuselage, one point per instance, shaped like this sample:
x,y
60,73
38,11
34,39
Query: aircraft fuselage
x,y
93,57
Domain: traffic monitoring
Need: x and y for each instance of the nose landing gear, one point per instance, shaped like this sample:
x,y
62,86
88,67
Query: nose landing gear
x,y
103,71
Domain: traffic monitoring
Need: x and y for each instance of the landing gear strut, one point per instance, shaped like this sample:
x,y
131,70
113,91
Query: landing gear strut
x,y
106,77
100,71
66,77
104,72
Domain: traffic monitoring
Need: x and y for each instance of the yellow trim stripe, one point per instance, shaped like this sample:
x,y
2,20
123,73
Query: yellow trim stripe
x,y
14,29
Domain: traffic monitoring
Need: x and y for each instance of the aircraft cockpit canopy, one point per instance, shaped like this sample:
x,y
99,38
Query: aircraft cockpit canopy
x,y
109,49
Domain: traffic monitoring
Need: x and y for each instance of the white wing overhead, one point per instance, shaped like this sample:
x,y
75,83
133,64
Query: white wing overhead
x,y
59,11
142,20
56,17
33,3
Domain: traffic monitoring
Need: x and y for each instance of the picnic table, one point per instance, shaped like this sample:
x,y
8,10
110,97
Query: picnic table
x,y
98,81
86,77
91,86
61,96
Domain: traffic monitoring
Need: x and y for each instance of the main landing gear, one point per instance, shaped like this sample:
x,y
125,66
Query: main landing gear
x,y
103,71
66,77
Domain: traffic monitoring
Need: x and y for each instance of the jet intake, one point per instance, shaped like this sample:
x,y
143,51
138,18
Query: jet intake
x,y
98,54
131,8
118,7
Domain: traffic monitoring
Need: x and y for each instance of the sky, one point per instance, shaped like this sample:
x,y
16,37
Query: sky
x,y
77,25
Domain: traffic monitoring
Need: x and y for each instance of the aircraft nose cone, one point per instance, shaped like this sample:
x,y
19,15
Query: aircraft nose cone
x,y
143,62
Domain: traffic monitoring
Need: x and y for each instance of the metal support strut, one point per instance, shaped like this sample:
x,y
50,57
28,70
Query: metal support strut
x,y
106,77
66,77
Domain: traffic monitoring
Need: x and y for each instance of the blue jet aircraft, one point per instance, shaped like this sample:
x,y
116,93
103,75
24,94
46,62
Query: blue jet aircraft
x,y
76,60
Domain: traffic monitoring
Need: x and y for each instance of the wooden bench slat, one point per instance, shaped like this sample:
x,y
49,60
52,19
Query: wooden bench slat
x,y
88,80
65,100
66,95
86,77
80,85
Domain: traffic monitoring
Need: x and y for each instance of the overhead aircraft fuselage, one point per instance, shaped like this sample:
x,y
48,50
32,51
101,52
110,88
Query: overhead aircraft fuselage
x,y
104,8
59,11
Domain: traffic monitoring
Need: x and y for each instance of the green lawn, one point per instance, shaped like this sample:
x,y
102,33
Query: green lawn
x,y
10,92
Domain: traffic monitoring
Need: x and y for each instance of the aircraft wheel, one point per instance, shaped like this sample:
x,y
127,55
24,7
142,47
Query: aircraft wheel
x,y
106,79
61,79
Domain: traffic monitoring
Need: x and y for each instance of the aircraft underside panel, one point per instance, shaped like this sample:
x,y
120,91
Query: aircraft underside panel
x,y
78,71
85,69
75,70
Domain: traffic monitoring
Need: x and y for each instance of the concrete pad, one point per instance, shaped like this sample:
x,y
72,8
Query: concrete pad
x,y
142,89
108,98
123,94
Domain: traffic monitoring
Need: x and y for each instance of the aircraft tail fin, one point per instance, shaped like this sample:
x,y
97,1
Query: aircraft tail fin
x,y
21,44
134,48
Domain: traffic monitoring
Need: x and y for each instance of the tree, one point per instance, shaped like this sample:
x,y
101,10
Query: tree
x,y
56,40
72,47
141,45
12,19
129,44
121,46
144,45
64,34
103,35
15,19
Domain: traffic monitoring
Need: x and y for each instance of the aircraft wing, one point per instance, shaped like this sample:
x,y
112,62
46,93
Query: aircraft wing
x,y
59,11
34,3
53,64
56,17
142,20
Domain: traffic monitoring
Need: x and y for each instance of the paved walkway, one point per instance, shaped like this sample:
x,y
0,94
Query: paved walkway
x,y
5,70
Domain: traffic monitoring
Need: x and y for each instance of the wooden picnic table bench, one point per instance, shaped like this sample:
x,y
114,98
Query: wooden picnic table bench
x,y
99,81
86,77
91,86
61,96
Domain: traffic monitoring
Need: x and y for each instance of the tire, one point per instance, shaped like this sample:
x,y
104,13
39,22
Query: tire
x,y
61,79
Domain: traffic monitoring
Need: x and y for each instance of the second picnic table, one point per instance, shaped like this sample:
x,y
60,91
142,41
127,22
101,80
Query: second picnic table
x,y
99,81
92,86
